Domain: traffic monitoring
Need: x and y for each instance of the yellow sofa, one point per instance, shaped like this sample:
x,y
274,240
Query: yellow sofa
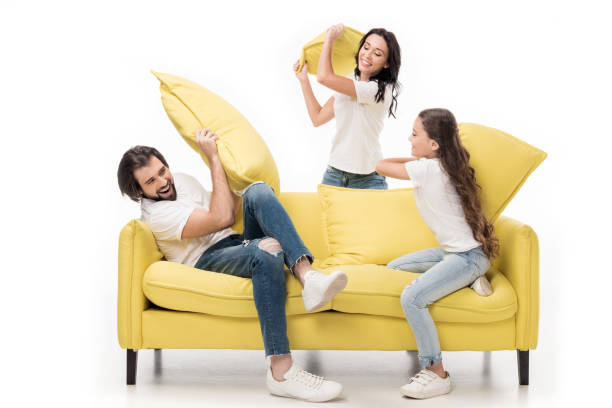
x,y
168,305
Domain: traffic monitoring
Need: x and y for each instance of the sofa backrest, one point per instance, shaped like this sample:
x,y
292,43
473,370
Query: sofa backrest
x,y
303,208
305,212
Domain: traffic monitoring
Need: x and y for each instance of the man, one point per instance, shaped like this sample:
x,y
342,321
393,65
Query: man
x,y
191,226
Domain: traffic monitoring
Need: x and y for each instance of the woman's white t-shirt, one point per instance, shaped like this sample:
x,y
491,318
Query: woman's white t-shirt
x,y
440,205
355,147
168,218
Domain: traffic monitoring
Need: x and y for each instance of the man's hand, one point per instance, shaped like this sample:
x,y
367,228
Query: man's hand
x,y
206,139
334,32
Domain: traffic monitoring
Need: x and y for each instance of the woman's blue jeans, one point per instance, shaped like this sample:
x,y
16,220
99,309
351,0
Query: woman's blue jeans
x,y
442,273
240,255
340,178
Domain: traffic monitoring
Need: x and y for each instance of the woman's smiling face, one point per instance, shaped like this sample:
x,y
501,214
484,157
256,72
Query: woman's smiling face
x,y
373,56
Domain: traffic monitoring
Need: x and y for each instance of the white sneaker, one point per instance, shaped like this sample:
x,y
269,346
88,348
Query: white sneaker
x,y
482,286
319,289
302,385
426,384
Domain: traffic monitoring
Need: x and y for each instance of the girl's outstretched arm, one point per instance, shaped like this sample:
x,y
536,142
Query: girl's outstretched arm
x,y
325,71
394,167
318,115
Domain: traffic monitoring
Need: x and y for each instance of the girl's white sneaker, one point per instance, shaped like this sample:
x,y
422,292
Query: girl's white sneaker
x,y
482,286
303,385
426,384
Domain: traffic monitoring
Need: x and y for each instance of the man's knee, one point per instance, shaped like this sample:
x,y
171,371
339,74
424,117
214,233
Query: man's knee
x,y
257,188
271,246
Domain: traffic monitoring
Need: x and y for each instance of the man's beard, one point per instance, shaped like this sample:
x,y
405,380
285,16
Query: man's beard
x,y
158,198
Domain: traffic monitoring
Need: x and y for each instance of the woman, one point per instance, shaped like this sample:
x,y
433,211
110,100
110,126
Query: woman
x,y
359,105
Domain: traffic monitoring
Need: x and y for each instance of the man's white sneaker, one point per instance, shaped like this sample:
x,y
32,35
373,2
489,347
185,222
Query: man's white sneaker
x,y
426,384
482,286
319,288
303,385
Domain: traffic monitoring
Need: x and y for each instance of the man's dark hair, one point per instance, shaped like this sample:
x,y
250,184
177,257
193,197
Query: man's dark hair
x,y
133,159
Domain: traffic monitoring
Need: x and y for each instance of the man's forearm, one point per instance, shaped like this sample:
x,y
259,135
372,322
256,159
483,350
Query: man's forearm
x,y
222,200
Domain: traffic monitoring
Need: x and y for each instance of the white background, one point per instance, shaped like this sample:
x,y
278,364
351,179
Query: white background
x,y
77,92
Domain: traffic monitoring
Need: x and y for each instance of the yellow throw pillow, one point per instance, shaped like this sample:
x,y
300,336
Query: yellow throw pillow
x,y
243,153
371,226
343,52
502,164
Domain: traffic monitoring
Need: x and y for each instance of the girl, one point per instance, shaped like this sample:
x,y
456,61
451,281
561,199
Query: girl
x,y
359,105
446,195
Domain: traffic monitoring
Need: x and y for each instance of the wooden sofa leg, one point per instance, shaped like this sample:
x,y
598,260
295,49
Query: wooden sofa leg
x,y
522,358
132,362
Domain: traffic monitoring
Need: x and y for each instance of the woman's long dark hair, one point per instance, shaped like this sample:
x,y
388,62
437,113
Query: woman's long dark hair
x,y
387,75
441,126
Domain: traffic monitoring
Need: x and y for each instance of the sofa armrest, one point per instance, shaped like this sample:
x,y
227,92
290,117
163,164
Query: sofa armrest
x,y
519,261
137,250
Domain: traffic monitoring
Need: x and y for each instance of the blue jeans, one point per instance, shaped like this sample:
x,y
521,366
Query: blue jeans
x,y
340,178
240,255
443,273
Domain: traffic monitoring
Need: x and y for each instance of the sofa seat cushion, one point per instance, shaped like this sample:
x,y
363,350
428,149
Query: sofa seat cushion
x,y
180,287
376,290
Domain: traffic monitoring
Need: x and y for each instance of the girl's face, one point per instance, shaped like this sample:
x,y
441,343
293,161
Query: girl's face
x,y
373,56
422,145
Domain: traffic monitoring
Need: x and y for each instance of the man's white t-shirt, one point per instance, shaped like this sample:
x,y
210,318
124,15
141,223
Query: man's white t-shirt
x,y
168,218
355,147
440,205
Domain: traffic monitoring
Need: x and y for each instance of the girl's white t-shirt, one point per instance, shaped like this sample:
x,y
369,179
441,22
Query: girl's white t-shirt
x,y
355,147
168,218
440,205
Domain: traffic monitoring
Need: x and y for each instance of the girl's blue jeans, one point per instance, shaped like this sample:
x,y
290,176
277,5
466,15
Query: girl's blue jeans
x,y
241,255
442,273
340,178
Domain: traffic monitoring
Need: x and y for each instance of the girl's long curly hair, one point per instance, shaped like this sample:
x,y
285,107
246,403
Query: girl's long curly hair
x,y
387,76
441,126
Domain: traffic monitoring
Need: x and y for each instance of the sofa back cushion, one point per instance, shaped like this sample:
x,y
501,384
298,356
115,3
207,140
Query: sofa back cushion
x,y
305,212
371,226
244,154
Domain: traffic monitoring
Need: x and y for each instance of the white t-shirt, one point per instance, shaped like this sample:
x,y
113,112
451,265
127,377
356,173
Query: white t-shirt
x,y
168,218
355,147
440,205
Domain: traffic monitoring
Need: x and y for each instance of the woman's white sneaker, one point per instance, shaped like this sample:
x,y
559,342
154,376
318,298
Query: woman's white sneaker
x,y
320,289
303,385
426,384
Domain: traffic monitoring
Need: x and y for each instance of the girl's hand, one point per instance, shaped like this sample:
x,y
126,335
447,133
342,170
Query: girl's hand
x,y
303,74
334,32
